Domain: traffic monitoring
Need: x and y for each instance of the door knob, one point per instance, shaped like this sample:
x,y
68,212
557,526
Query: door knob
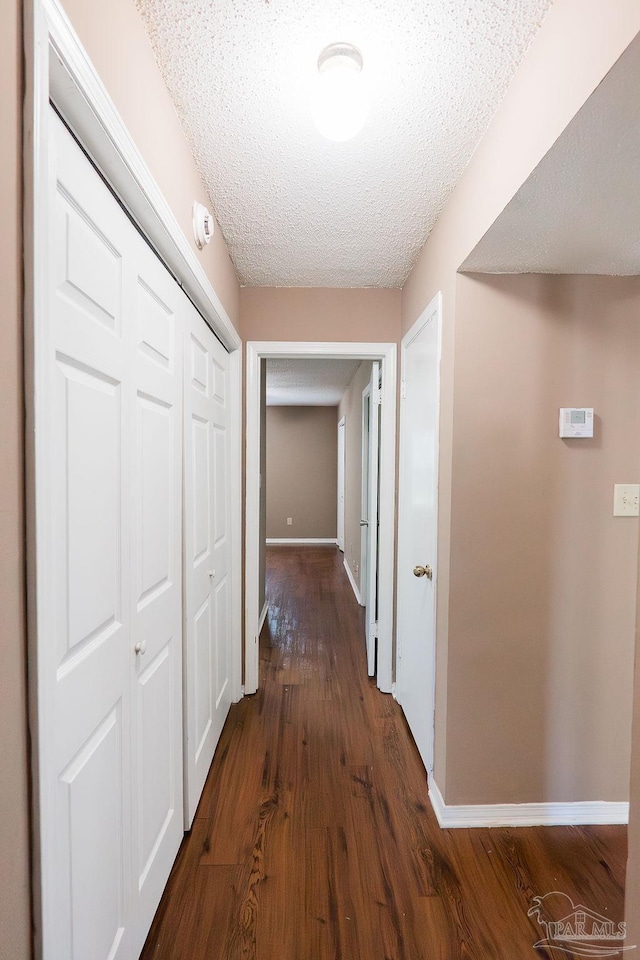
x,y
141,646
425,571
364,523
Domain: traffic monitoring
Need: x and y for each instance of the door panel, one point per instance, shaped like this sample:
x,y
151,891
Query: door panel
x,y
156,489
371,584
207,552
418,527
93,781
108,516
82,464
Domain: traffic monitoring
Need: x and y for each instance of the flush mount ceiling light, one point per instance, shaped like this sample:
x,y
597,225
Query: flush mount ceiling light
x,y
340,105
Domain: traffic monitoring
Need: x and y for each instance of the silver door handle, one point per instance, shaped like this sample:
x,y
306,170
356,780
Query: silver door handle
x,y
364,523
141,647
425,571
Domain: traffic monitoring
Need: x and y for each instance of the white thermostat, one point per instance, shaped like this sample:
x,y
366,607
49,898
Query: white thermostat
x,y
576,421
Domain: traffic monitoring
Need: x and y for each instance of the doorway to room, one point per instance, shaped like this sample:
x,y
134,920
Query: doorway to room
x,y
385,356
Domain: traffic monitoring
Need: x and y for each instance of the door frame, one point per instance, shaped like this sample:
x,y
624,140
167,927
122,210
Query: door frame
x,y
433,310
58,68
364,492
386,354
342,465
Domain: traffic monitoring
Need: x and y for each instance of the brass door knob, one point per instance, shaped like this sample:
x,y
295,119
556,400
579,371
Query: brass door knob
x,y
425,571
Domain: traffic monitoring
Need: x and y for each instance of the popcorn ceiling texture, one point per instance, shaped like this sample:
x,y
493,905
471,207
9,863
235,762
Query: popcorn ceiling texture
x,y
299,210
305,382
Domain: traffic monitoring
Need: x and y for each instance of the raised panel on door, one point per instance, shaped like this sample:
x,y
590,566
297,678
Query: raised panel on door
x,y
90,798
157,598
207,553
83,618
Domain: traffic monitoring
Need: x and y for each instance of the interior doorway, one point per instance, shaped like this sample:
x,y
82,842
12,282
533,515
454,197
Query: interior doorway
x,y
385,355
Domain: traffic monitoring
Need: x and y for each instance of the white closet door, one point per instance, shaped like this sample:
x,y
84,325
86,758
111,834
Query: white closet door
x,y
207,551
156,555
85,653
108,362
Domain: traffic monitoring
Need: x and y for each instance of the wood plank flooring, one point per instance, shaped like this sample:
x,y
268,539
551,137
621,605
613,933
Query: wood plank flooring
x,y
315,838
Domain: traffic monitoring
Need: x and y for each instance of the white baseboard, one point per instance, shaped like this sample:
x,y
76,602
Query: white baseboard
x,y
263,616
301,541
352,582
526,814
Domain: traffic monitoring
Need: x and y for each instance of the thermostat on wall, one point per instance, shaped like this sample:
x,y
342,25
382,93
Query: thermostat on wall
x,y
576,421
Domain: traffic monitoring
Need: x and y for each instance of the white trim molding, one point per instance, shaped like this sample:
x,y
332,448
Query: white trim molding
x,y
301,542
587,812
386,353
263,616
352,581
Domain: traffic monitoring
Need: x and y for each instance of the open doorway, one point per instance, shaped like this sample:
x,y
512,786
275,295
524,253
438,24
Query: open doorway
x,y
385,356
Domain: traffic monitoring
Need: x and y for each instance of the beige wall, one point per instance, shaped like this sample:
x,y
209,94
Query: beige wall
x,y
318,313
302,445
15,920
547,92
351,408
543,577
115,39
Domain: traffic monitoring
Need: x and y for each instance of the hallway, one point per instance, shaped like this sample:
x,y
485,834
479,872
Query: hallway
x,y
315,838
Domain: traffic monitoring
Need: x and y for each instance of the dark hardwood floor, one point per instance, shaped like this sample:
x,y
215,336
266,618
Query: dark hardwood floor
x,y
315,838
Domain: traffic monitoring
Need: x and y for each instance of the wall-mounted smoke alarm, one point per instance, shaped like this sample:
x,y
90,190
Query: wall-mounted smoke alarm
x,y
202,225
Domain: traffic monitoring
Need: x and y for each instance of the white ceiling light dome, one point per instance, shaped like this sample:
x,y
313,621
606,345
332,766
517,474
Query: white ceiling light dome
x,y
340,103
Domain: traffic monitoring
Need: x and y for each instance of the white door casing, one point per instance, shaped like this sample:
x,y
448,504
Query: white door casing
x,y
418,525
108,486
341,481
370,585
207,602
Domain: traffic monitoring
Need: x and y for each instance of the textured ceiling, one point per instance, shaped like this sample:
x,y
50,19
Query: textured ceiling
x,y
308,383
579,211
299,210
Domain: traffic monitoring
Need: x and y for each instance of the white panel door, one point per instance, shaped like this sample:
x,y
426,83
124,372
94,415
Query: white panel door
x,y
341,479
156,578
207,551
370,585
108,423
418,526
85,652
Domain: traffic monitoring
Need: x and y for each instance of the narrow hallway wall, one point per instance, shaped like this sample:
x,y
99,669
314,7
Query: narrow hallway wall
x,y
301,472
545,95
543,576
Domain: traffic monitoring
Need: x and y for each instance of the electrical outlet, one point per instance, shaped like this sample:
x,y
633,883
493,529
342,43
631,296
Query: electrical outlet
x,y
626,499
289,521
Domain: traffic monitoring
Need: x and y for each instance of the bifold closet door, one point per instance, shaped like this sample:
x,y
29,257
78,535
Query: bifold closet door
x,y
207,551
108,428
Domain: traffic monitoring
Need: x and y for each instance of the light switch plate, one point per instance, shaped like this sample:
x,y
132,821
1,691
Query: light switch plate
x,y
626,499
